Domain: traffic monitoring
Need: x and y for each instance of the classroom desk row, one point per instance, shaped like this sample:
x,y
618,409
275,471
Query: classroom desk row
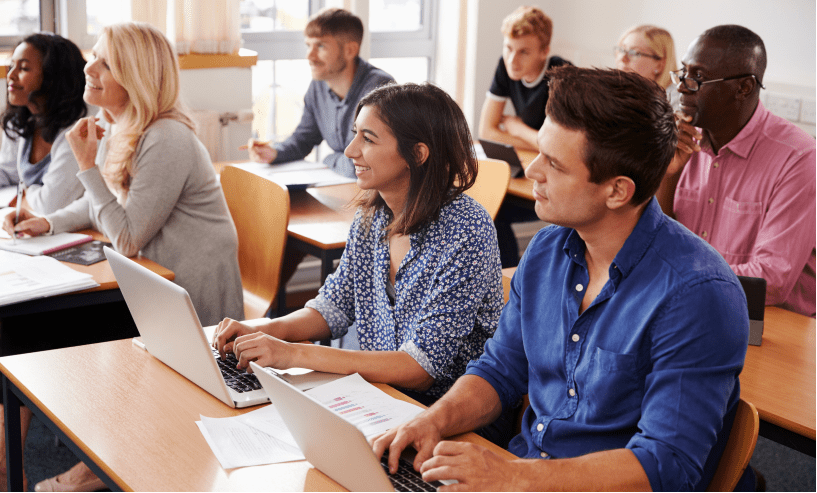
x,y
106,293
132,420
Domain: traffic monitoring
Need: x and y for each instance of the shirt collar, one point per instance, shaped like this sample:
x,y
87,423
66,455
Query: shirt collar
x,y
360,73
742,144
634,247
538,79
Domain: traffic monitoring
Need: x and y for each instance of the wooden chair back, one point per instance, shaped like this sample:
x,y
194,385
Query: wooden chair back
x,y
739,448
491,185
260,211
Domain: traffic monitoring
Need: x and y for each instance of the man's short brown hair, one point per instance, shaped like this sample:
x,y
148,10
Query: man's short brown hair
x,y
627,123
528,20
335,22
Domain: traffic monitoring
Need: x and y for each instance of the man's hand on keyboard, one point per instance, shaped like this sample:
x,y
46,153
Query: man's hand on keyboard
x,y
474,467
420,433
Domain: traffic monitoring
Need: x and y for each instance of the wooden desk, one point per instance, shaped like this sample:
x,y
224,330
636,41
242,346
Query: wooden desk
x,y
779,379
522,187
107,291
778,376
132,420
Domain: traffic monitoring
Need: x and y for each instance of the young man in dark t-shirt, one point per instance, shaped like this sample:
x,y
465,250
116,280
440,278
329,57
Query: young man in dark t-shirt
x,y
520,77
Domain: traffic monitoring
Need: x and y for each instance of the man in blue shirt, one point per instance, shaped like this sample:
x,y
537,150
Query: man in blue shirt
x,y
340,78
626,331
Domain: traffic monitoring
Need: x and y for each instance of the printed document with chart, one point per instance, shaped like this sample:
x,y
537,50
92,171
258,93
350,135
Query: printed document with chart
x,y
261,437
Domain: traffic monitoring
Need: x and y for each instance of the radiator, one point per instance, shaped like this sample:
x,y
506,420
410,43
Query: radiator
x,y
223,132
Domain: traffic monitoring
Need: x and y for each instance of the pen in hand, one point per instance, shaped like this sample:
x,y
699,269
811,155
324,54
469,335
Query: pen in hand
x,y
18,206
254,144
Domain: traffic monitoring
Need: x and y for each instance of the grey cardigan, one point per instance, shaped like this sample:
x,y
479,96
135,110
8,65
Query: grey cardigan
x,y
175,214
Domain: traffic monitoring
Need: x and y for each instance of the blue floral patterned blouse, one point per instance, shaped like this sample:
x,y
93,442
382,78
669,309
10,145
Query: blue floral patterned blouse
x,y
448,290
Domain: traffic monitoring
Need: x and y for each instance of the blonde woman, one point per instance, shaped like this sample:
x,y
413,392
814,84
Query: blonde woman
x,y
149,184
648,51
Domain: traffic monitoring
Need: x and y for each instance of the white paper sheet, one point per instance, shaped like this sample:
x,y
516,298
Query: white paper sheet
x,y
370,409
236,444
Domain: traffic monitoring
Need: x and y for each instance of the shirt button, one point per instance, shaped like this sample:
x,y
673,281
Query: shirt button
x,y
540,427
572,393
715,165
579,287
704,234
711,200
575,337
543,455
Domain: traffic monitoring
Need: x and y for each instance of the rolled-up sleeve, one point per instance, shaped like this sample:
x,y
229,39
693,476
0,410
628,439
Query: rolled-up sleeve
x,y
692,384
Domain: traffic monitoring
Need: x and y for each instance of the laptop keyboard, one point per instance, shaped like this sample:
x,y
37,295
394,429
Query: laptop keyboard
x,y
406,478
238,380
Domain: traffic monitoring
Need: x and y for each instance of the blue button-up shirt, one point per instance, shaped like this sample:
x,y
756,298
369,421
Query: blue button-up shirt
x,y
651,365
448,290
327,117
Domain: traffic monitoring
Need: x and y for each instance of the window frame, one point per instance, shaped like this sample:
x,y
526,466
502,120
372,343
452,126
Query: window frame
x,y
48,18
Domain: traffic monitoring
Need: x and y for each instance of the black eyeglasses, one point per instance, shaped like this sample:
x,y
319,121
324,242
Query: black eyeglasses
x,y
633,54
693,85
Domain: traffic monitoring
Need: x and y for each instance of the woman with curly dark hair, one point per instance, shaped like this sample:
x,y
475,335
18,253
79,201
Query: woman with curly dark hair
x,y
45,84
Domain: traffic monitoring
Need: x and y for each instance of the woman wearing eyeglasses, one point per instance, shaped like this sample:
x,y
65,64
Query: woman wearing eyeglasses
x,y
650,52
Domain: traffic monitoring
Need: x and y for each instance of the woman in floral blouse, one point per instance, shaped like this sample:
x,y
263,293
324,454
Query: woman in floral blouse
x,y
420,279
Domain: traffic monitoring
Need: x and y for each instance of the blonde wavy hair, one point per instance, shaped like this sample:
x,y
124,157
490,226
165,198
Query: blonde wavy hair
x,y
660,41
528,20
144,63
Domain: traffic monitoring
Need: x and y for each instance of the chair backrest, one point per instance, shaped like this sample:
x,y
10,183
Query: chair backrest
x,y
491,184
739,448
260,211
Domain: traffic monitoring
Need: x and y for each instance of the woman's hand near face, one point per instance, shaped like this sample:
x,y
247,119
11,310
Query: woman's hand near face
x,y
83,139
29,224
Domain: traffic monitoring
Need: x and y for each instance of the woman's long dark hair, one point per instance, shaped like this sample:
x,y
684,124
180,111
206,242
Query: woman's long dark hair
x,y
59,98
423,113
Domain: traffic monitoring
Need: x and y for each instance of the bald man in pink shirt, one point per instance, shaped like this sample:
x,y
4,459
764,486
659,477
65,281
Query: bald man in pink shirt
x,y
743,179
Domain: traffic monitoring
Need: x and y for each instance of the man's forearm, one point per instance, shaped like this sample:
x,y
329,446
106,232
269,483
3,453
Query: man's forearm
x,y
469,405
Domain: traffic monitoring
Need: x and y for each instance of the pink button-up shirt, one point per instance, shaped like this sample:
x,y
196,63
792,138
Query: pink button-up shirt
x,y
754,203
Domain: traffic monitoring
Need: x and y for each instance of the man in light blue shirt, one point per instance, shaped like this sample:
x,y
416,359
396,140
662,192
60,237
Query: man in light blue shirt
x,y
627,331
340,78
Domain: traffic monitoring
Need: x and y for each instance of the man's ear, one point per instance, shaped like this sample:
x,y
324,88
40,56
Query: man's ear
x,y
420,153
746,88
622,189
351,49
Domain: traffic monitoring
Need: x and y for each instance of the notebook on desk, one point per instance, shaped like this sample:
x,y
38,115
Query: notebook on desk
x,y
333,445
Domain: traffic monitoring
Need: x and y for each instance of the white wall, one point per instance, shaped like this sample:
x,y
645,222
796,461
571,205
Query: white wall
x,y
585,32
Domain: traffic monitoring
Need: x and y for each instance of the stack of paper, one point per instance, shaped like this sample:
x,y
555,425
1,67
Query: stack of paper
x,y
25,278
298,175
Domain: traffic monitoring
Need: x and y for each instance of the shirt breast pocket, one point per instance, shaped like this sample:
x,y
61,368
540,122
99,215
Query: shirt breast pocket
x,y
616,384
739,227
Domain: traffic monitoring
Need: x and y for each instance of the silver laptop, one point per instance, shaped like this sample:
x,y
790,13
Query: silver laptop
x,y
171,331
332,444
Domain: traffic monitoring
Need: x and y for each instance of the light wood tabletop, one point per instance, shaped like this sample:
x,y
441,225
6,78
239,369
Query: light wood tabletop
x,y
321,216
522,187
135,419
779,375
102,271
